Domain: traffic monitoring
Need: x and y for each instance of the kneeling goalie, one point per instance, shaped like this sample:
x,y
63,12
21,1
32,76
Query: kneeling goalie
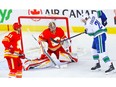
x,y
59,49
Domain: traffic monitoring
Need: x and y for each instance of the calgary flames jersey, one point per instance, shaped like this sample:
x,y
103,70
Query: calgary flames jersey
x,y
12,40
58,35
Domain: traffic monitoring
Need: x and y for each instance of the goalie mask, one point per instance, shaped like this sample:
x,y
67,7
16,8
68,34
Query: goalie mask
x,y
52,26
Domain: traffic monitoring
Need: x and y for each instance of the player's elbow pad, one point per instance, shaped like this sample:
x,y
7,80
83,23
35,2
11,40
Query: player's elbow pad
x,y
6,44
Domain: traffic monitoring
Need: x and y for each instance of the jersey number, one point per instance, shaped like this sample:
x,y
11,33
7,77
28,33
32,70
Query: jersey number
x,y
98,24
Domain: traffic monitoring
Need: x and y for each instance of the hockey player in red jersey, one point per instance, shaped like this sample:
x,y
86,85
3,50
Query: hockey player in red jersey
x,y
57,34
12,52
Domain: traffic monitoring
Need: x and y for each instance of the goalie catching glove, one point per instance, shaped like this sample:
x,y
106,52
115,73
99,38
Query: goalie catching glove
x,y
66,44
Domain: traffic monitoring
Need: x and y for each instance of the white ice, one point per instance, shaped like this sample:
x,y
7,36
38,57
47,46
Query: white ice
x,y
81,45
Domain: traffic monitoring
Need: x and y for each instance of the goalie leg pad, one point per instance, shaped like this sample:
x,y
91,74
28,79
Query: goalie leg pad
x,y
73,58
34,63
65,57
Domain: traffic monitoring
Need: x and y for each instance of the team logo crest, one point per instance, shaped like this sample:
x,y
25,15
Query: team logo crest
x,y
35,12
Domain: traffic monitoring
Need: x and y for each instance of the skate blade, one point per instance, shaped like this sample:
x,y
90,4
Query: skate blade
x,y
96,70
111,72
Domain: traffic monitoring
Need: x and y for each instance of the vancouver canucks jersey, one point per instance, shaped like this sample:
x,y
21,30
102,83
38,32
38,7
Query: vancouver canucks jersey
x,y
94,26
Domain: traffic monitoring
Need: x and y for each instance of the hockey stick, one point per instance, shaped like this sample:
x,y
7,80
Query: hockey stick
x,y
66,38
21,55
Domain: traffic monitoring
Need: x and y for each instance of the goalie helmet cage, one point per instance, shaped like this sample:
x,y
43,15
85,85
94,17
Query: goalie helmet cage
x,y
45,17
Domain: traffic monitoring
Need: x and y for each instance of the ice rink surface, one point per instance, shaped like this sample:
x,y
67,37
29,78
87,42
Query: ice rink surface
x,y
80,45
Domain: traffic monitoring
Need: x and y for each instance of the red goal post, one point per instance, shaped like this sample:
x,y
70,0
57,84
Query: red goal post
x,y
45,17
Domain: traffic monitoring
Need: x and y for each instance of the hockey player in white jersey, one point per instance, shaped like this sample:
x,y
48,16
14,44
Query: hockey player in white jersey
x,y
94,27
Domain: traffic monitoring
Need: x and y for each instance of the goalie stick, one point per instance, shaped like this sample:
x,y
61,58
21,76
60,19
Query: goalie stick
x,y
66,38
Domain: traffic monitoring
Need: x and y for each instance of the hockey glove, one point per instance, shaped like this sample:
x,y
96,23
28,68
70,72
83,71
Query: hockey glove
x,y
22,56
66,44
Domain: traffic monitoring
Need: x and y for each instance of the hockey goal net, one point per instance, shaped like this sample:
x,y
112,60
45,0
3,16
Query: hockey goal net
x,y
33,26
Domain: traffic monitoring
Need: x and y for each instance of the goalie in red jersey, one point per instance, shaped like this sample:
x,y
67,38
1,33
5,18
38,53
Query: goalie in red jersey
x,y
12,52
56,48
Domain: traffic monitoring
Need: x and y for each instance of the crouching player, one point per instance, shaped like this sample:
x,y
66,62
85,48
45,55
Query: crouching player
x,y
56,48
13,52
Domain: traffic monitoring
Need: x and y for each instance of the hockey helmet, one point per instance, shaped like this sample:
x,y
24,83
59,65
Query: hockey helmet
x,y
16,25
52,25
